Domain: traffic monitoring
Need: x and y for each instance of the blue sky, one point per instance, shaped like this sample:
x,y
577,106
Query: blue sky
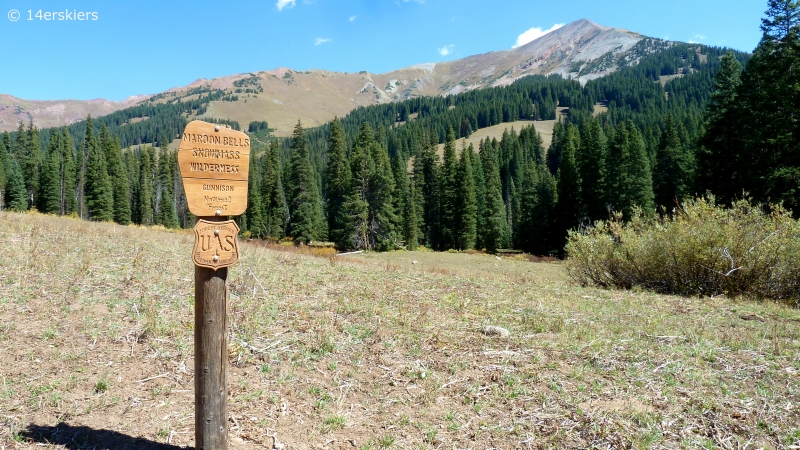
x,y
144,47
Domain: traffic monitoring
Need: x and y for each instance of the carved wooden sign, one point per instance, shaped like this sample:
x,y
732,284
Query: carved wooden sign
x,y
214,162
215,244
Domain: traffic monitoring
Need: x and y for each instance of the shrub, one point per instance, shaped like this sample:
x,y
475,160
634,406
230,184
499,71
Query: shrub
x,y
701,249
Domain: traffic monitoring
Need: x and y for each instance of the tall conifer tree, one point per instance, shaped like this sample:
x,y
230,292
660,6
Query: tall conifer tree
x,y
99,191
306,222
67,173
449,193
117,175
670,174
272,191
496,231
338,183
146,175
570,209
466,217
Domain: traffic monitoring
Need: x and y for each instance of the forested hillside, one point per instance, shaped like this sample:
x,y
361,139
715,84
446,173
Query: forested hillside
x,y
374,180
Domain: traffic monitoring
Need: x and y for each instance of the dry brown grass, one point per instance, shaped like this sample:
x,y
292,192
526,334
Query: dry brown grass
x,y
374,351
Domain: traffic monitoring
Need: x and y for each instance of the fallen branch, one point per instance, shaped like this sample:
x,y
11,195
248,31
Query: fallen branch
x,y
153,378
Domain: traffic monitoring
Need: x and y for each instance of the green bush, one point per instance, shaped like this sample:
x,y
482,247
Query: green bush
x,y
702,249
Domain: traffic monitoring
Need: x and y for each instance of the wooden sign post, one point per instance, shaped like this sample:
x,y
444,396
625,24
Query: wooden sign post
x,y
214,162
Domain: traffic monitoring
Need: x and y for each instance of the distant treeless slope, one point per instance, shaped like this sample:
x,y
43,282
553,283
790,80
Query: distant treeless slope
x,y
55,113
581,50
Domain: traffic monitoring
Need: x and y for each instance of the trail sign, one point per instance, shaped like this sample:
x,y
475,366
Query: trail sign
x,y
214,162
215,244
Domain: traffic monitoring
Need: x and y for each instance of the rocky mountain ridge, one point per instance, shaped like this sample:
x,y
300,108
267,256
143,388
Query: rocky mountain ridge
x,y
581,50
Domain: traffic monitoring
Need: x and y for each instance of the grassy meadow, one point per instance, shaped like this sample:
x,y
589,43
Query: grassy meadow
x,y
375,351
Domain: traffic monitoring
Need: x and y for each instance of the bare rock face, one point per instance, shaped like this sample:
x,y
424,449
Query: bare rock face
x,y
581,50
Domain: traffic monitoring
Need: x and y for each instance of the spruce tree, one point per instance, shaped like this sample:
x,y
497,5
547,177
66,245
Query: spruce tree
x,y
99,191
50,188
400,177
639,189
411,220
16,192
670,174
5,163
145,198
496,231
590,156
118,176
67,173
466,207
33,159
356,206
383,217
569,208
166,214
449,193
338,184
480,200
254,219
306,222
81,164
427,176
276,212
720,158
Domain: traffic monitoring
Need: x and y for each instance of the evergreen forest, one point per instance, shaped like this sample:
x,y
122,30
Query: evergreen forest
x,y
377,180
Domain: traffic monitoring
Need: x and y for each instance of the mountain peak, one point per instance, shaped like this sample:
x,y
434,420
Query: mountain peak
x,y
581,50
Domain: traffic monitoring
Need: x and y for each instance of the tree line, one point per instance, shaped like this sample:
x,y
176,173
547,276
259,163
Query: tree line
x,y
374,179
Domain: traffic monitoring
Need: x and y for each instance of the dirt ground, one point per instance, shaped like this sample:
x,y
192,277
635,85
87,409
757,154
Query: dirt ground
x,y
374,351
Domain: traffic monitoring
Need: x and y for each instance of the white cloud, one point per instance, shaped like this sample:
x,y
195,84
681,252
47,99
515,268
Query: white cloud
x,y
284,3
533,34
352,18
320,40
697,38
446,50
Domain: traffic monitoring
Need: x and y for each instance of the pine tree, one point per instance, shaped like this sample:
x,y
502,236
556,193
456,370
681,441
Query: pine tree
x,y
670,175
67,173
339,179
5,163
305,209
383,217
411,220
16,192
33,159
254,219
496,231
480,200
50,187
639,189
145,197
82,168
720,158
448,196
99,191
401,192
356,206
165,213
590,156
426,175
769,96
276,212
466,207
569,208
117,175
